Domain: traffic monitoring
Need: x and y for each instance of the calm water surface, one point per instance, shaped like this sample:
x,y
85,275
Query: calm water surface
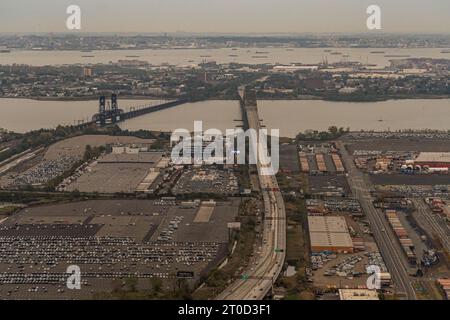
x,y
23,115
241,55
290,117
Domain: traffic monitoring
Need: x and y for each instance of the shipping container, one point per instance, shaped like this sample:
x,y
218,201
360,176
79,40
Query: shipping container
x,y
321,163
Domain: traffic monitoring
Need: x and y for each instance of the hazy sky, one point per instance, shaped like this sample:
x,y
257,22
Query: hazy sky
x,y
245,16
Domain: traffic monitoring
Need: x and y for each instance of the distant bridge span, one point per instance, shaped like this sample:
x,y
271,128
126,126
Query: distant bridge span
x,y
111,114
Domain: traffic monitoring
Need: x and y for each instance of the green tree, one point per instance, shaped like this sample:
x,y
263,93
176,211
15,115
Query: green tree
x,y
333,130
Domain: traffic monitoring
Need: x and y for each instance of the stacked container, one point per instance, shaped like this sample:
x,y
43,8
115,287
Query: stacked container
x,y
304,162
337,162
445,285
321,163
402,235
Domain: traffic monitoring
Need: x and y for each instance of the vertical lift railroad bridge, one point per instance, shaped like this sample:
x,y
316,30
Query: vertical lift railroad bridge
x,y
110,113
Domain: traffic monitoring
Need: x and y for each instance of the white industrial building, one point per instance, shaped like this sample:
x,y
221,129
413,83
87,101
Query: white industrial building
x,y
329,233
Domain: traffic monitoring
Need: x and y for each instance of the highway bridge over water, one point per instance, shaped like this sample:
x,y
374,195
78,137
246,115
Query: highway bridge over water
x,y
257,281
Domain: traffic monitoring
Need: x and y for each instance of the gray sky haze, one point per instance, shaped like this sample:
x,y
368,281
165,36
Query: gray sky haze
x,y
226,16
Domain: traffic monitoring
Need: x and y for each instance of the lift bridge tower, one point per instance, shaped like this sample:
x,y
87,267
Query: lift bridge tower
x,y
102,111
108,113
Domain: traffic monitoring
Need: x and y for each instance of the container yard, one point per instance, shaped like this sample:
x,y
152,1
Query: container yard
x,y
326,172
402,235
338,163
304,162
321,163
444,284
320,159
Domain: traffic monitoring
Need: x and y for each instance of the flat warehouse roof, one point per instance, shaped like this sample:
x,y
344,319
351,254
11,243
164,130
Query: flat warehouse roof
x,y
333,239
327,224
329,232
358,294
433,157
142,157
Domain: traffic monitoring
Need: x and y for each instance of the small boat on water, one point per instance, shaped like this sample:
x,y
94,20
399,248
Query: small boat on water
x,y
377,52
397,56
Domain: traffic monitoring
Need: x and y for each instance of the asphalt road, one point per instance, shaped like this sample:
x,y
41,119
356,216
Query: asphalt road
x,y
258,280
385,238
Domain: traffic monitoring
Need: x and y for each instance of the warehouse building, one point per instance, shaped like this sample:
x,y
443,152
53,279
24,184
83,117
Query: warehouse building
x,y
329,233
358,294
433,159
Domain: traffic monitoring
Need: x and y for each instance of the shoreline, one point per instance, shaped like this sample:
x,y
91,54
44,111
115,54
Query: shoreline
x,y
75,99
306,98
219,48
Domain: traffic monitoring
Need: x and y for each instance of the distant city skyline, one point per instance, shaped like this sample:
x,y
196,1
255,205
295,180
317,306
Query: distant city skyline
x,y
226,16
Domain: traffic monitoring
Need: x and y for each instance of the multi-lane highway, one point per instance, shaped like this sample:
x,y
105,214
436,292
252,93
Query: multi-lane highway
x,y
385,238
258,279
